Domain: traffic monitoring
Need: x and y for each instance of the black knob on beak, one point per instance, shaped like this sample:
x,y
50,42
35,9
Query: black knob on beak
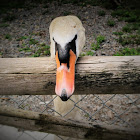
x,y
64,95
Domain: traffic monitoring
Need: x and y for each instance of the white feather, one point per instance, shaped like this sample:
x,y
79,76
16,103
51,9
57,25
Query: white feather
x,y
63,30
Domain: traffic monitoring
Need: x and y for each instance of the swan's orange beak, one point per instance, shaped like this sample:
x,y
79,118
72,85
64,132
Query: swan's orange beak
x,y
65,77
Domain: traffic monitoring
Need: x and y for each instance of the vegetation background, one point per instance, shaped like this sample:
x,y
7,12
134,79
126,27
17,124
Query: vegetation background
x,y
124,10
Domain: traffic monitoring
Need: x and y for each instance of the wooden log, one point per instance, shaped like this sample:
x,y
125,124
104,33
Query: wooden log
x,y
34,121
94,75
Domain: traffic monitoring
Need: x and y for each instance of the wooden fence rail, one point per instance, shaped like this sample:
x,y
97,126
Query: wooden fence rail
x,y
94,75
34,121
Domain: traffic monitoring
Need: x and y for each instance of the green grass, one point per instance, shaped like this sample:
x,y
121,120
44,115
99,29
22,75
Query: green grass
x,y
135,26
1,53
26,49
95,46
111,23
120,12
132,18
43,50
135,39
127,28
128,15
131,27
8,36
35,55
118,33
47,52
99,40
33,41
4,25
90,53
22,38
128,52
82,54
23,44
129,39
138,31
101,13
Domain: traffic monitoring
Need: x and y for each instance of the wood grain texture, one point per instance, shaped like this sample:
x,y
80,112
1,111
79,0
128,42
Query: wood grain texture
x,y
94,75
34,121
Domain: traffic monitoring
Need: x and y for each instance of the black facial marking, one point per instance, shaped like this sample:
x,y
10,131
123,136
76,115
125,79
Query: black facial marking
x,y
56,46
73,44
63,53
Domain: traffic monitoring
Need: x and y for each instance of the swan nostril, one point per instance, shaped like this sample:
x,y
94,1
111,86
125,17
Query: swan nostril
x,y
64,95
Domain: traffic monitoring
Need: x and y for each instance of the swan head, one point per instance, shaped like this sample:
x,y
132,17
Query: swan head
x,y
67,36
65,76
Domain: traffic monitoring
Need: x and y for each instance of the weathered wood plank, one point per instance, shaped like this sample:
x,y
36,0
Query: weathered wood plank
x,y
94,75
29,120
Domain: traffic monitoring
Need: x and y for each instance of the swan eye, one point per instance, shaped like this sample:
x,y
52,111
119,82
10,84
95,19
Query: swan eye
x,y
53,39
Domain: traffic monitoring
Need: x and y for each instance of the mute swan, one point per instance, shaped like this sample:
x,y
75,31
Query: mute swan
x,y
67,36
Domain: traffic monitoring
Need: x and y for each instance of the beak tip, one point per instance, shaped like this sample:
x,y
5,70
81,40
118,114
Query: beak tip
x,y
64,96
